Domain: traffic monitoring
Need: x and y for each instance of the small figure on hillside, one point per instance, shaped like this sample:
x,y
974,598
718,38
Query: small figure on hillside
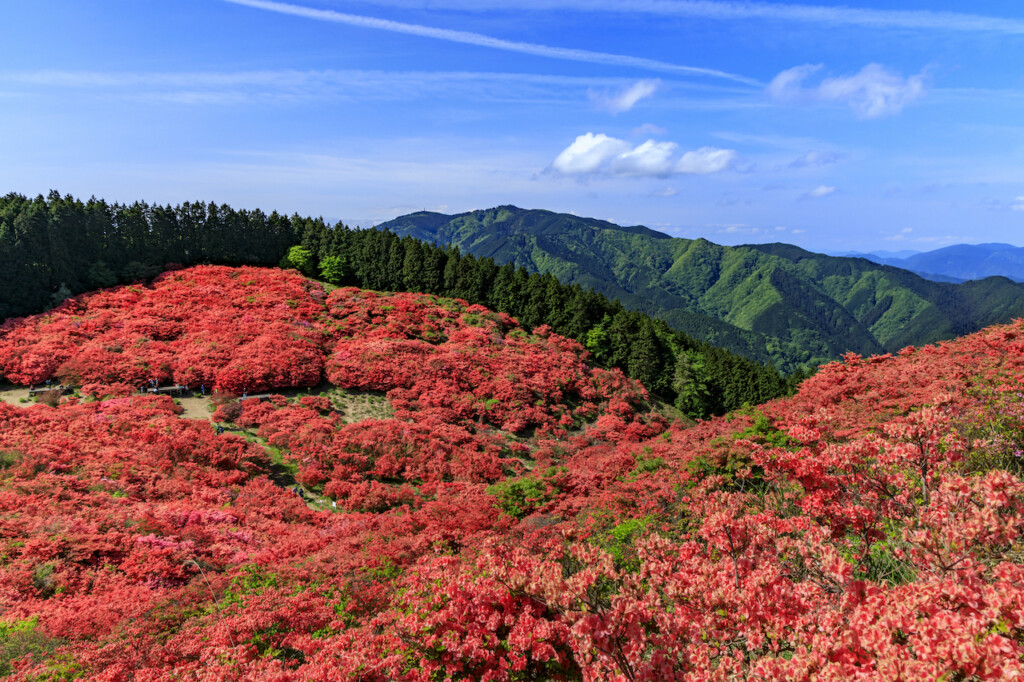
x,y
202,389
220,429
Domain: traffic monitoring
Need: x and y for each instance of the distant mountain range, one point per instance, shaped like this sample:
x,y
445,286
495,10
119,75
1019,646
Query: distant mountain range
x,y
957,263
772,302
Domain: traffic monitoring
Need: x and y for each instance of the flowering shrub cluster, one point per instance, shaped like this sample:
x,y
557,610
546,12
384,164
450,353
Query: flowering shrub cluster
x,y
463,363
233,329
868,528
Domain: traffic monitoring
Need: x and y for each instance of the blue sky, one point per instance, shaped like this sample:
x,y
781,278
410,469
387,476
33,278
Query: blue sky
x,y
881,126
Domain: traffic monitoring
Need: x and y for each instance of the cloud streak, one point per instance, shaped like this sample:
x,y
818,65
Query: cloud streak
x,y
813,159
627,98
287,85
480,40
820,191
924,20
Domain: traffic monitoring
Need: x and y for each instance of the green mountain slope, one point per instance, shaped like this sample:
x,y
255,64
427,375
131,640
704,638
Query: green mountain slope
x,y
772,302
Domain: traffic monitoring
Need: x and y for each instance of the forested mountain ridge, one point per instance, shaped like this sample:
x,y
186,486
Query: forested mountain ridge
x,y
771,301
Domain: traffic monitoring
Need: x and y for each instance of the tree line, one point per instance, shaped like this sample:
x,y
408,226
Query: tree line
x,y
696,377
54,247
57,246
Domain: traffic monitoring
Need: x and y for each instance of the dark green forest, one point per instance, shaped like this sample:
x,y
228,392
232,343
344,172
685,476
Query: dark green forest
x,y
57,246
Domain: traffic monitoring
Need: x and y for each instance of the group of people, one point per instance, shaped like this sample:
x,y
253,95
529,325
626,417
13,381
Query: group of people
x,y
63,388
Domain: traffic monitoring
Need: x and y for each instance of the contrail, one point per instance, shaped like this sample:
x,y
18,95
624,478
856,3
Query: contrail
x,y
712,9
480,40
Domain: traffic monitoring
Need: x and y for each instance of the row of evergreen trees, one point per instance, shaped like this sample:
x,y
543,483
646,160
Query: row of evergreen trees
x,y
54,247
698,378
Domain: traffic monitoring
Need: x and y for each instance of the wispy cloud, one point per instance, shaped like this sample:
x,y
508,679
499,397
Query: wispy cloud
x,y
599,154
626,98
708,9
872,92
820,191
286,85
903,234
813,159
1018,204
480,40
647,129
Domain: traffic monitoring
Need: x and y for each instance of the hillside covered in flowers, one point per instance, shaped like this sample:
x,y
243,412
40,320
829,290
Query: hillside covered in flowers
x,y
515,513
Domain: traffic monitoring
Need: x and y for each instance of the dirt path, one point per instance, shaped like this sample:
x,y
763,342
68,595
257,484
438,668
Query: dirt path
x,y
14,395
196,408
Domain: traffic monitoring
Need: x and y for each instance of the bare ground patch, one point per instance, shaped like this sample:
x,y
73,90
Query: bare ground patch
x,y
15,395
196,408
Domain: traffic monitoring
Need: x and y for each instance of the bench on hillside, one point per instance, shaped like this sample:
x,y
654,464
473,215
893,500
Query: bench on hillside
x,y
260,396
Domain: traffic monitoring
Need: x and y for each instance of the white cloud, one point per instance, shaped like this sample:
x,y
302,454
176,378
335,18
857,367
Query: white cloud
x,y
731,228
788,85
480,40
647,129
1018,204
588,154
650,158
872,92
814,159
627,98
821,191
665,192
595,154
706,160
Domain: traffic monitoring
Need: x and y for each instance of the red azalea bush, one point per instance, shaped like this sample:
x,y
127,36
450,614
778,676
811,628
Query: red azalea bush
x,y
463,362
234,329
870,527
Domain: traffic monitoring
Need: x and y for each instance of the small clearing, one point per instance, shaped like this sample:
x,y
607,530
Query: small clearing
x,y
196,407
355,406
15,395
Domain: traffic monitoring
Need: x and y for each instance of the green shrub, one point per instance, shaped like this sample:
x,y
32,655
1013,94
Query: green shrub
x,y
519,496
22,638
